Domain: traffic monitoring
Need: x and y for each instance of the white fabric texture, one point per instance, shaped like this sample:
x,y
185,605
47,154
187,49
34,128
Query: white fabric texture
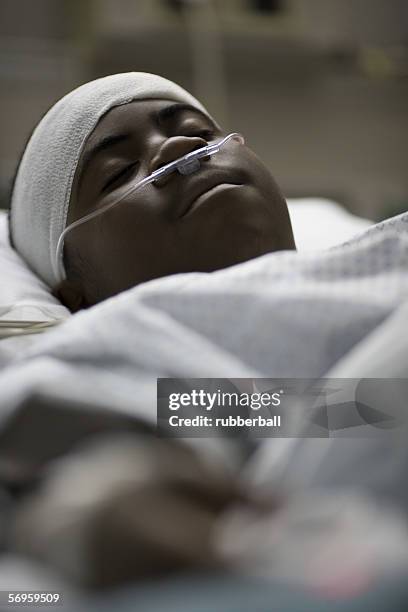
x,y
44,180
319,223
23,296
285,314
341,461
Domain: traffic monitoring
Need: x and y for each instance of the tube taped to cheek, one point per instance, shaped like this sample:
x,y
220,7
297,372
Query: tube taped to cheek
x,y
42,189
185,165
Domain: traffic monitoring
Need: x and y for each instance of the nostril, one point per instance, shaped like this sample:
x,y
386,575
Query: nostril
x,y
160,165
174,148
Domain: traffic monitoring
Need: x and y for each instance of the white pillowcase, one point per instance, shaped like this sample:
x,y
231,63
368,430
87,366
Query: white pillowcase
x,y
320,224
23,296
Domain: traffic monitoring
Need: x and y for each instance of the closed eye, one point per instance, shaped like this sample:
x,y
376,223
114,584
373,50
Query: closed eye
x,y
118,176
206,134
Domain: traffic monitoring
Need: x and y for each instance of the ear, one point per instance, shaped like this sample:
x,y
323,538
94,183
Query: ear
x,y
71,295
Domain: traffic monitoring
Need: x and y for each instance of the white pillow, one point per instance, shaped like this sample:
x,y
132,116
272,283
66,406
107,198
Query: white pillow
x,y
319,223
23,296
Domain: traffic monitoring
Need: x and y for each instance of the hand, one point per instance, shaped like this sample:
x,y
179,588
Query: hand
x,y
123,508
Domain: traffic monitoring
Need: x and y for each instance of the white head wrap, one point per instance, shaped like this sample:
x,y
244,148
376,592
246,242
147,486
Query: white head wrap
x,y
42,189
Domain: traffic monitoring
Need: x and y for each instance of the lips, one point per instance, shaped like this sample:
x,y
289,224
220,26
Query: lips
x,y
200,184
213,191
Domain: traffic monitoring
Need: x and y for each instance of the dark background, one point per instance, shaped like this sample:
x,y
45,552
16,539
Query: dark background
x,y
319,88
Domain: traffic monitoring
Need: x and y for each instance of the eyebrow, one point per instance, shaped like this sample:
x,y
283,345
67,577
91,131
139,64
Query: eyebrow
x,y
168,112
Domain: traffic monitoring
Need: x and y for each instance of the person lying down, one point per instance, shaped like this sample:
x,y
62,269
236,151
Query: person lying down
x,y
103,138
203,281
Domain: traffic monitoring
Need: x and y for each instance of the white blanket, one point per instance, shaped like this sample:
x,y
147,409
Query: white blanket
x,y
282,315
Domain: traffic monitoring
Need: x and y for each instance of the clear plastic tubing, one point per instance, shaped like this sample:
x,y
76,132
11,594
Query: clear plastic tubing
x,y
187,164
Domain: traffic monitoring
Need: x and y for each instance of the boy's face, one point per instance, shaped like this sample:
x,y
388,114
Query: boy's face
x,y
227,212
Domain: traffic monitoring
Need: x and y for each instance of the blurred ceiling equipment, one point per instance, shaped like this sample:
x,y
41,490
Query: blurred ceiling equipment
x,y
204,34
266,6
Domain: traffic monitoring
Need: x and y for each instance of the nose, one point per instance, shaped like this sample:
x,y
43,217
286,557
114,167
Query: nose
x,y
172,149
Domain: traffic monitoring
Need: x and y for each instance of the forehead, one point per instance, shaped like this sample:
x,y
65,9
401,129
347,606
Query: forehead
x,y
134,115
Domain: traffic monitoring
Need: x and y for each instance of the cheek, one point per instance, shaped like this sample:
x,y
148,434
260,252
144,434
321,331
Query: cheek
x,y
127,225
131,243
132,227
271,199
262,176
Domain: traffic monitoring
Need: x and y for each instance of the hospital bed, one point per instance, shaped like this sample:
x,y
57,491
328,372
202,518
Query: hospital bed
x,y
24,298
